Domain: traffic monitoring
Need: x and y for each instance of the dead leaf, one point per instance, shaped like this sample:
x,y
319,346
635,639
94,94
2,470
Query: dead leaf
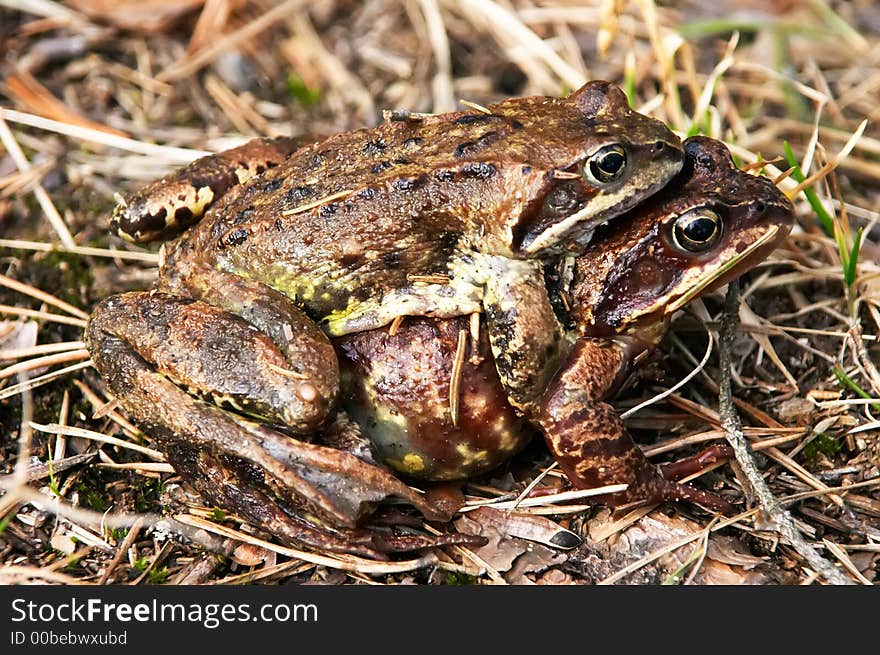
x,y
729,550
535,560
249,554
555,577
716,573
649,535
36,98
15,335
501,550
528,526
62,542
796,411
865,562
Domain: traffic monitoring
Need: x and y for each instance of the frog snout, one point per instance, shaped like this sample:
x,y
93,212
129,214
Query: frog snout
x,y
774,208
658,150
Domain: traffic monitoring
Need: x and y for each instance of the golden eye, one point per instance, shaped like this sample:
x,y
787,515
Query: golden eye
x,y
697,230
606,165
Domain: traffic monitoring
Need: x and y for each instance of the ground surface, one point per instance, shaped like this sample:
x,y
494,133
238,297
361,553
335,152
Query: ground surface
x,y
114,78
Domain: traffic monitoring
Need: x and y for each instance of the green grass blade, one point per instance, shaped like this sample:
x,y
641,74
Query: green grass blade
x,y
716,26
629,82
850,271
847,382
821,213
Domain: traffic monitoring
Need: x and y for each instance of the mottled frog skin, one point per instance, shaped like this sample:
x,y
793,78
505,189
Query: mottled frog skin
x,y
428,419
286,243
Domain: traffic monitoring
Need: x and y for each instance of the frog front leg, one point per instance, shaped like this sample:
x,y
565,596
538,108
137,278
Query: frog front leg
x,y
588,437
170,361
526,338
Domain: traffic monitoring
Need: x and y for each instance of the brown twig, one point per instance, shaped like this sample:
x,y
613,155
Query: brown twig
x,y
753,481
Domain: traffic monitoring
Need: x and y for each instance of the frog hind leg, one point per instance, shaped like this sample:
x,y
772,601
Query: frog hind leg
x,y
236,485
150,347
166,207
222,481
590,442
217,355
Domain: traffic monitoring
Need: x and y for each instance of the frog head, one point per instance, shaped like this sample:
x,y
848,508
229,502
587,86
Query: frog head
x,y
712,223
606,159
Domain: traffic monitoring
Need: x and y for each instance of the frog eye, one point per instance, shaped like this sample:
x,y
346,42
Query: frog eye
x,y
697,230
606,164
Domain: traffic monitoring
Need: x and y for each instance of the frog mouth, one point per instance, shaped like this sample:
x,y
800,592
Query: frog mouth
x,y
712,277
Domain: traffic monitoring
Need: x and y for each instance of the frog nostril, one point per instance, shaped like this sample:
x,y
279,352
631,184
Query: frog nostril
x,y
658,148
760,207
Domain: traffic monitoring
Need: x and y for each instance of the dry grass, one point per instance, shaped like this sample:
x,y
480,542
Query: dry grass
x,y
95,103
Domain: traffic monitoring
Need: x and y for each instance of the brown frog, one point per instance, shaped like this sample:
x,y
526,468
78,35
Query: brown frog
x,y
428,396
427,215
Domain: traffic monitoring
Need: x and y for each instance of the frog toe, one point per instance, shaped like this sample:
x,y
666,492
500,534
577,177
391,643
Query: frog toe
x,y
665,490
682,468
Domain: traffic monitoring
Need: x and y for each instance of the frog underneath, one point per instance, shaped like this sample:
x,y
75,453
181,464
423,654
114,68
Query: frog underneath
x,y
427,395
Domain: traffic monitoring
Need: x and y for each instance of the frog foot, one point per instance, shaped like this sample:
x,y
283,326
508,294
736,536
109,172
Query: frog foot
x,y
656,487
593,449
668,488
146,348
243,489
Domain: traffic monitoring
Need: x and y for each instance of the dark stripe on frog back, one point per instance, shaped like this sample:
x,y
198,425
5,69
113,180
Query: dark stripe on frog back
x,y
406,192
404,149
168,206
